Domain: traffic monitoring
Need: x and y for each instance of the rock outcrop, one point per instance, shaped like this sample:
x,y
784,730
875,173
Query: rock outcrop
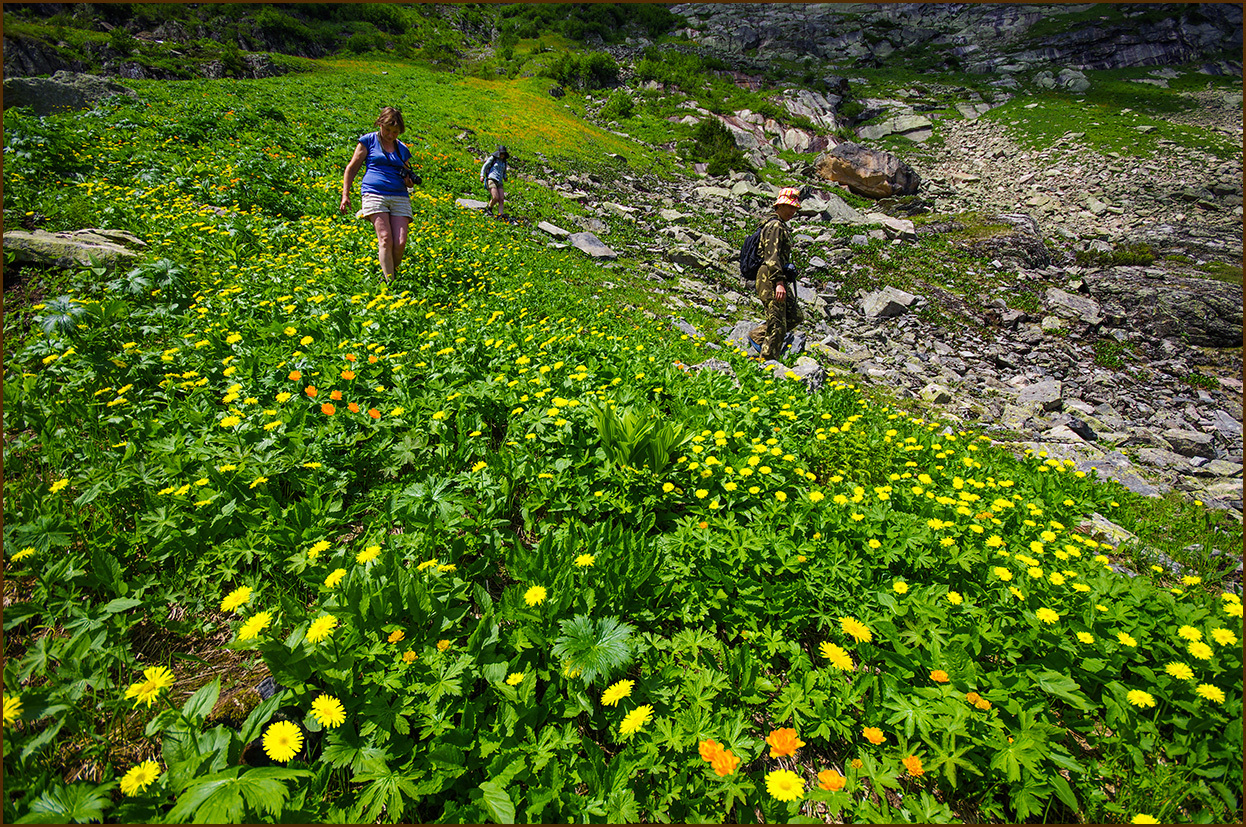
x,y
868,172
70,249
63,92
987,38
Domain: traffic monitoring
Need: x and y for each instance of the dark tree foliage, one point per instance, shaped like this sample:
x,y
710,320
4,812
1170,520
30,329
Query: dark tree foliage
x,y
608,22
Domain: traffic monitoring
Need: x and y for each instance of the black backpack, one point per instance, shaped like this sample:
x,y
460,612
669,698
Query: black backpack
x,y
750,256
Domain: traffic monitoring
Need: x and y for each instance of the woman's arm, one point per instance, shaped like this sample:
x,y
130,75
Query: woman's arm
x,y
348,178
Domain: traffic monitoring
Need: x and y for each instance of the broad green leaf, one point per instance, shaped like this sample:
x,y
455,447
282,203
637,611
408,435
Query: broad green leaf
x,y
200,705
499,804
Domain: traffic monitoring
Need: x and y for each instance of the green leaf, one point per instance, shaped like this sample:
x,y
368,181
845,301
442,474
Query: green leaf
x,y
200,705
259,716
121,604
1063,791
1062,686
499,804
78,803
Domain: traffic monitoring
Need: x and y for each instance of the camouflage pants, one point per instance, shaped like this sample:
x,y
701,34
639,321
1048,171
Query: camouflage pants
x,y
782,317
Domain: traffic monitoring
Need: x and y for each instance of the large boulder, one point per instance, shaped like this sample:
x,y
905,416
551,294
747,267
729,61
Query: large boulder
x,y
24,57
1007,236
71,249
868,172
1203,312
63,92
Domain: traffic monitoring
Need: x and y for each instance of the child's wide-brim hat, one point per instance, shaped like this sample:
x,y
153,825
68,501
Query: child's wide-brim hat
x,y
789,196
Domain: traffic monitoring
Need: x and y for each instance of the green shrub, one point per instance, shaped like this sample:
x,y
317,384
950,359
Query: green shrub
x,y
618,107
713,144
591,70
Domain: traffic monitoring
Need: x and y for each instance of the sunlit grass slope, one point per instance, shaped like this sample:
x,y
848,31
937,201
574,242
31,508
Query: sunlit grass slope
x,y
508,557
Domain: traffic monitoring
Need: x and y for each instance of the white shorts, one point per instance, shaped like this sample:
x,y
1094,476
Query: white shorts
x,y
396,205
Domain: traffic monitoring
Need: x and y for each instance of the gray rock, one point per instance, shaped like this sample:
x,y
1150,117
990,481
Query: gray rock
x,y
887,303
553,229
1073,306
717,366
1219,468
1190,443
1203,312
1047,396
592,245
1229,491
63,92
894,227
807,371
71,249
1161,458
1103,529
683,327
471,203
936,394
713,192
914,127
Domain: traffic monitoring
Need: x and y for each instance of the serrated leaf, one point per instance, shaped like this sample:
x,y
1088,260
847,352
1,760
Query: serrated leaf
x,y
498,803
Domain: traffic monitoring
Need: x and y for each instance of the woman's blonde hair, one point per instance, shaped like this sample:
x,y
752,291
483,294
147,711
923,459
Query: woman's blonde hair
x,y
391,117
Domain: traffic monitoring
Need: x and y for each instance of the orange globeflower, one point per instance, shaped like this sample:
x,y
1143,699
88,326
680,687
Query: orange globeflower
x,y
831,780
295,375
725,763
784,741
350,357
336,396
327,409
972,697
709,750
914,765
939,676
311,391
873,734
371,358
353,407
348,375
374,413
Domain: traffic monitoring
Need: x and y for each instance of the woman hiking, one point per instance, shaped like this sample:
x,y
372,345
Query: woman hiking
x,y
384,188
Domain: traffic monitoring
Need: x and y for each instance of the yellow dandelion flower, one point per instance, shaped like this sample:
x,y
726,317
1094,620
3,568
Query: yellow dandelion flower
x,y
236,598
617,692
155,678
856,629
635,720
837,656
283,740
328,711
321,628
139,777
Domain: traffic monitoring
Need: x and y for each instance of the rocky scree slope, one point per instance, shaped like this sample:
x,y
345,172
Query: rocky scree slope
x,y
1132,370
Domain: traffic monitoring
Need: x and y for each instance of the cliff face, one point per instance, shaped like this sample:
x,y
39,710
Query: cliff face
x,y
994,37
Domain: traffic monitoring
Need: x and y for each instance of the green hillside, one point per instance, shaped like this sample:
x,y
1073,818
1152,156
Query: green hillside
x,y
508,554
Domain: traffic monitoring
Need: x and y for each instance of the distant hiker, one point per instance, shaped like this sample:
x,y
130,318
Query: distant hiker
x,y
493,174
776,278
384,188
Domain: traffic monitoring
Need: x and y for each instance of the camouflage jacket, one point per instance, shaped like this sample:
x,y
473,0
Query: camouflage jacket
x,y
775,246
